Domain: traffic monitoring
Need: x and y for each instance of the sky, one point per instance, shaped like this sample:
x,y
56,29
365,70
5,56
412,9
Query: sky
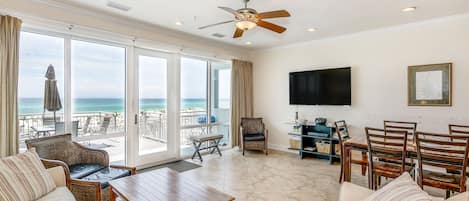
x,y
98,71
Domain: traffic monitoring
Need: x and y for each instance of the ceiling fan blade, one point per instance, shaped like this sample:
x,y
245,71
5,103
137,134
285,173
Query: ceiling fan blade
x,y
220,23
238,33
273,14
270,26
230,10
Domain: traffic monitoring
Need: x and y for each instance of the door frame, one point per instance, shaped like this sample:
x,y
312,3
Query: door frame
x,y
172,95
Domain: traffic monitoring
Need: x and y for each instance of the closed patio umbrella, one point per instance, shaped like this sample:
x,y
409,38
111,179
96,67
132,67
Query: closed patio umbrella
x,y
52,101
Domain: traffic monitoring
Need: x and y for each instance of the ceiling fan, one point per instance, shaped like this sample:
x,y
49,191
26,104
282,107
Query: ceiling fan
x,y
248,18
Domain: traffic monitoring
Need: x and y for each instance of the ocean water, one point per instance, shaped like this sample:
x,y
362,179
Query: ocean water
x,y
84,105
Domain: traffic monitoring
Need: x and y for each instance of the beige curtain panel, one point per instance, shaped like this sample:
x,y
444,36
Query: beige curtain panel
x,y
241,96
9,50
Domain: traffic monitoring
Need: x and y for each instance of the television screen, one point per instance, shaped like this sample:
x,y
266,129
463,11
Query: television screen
x,y
321,87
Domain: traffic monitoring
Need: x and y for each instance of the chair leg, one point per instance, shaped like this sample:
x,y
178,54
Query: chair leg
x,y
448,193
341,169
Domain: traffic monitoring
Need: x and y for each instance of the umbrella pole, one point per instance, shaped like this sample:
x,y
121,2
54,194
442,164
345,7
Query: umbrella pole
x,y
55,121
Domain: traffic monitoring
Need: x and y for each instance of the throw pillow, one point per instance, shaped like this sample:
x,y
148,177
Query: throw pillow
x,y
24,178
402,188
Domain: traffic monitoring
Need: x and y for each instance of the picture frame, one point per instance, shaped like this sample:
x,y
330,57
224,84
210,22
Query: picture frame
x,y
430,85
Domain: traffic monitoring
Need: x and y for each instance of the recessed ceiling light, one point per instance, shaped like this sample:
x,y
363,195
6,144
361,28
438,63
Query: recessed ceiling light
x,y
409,9
179,23
248,43
118,6
311,29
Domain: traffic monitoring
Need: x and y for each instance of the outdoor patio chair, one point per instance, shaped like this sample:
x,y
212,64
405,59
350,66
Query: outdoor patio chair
x,y
60,128
89,168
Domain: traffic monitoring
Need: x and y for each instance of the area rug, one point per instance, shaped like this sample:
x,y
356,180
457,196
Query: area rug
x,y
179,166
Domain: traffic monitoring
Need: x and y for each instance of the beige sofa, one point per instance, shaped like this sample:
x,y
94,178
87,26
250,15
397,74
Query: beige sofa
x,y
61,192
353,192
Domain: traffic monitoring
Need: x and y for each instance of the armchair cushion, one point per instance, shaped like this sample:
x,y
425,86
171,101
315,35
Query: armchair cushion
x,y
252,125
81,170
105,175
254,137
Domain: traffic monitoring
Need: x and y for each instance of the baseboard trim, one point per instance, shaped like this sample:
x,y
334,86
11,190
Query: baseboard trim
x,y
281,148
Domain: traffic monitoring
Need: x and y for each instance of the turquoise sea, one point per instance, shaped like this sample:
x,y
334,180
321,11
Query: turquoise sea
x,y
84,105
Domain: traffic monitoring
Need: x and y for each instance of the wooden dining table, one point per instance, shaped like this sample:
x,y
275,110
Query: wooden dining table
x,y
360,144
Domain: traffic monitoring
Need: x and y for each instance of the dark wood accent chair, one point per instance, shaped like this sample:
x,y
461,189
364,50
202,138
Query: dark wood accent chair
x,y
343,135
386,154
442,151
88,168
254,135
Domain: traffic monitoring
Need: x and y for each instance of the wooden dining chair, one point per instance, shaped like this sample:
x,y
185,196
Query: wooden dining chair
x,y
410,127
442,151
343,135
386,154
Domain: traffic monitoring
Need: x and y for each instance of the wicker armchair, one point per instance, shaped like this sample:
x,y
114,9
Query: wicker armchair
x,y
254,135
89,168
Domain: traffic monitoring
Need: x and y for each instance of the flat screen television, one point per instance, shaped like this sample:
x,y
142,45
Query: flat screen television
x,y
321,87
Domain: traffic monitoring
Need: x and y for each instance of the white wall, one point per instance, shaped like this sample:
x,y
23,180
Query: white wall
x,y
379,61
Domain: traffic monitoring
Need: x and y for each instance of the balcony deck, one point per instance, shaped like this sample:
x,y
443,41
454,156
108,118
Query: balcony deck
x,y
107,130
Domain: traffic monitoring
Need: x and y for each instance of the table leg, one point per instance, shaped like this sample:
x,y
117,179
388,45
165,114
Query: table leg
x,y
364,158
112,196
347,162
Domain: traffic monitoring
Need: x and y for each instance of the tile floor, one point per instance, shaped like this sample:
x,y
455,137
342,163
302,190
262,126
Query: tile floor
x,y
279,176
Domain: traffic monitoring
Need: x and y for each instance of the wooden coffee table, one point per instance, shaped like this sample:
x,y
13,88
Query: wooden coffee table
x,y
163,184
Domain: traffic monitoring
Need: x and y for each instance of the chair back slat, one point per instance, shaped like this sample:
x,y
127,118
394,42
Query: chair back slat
x,y
440,150
390,145
410,127
461,130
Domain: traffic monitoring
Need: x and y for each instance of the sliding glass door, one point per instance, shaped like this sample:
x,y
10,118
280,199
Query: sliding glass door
x,y
141,106
37,52
154,141
98,74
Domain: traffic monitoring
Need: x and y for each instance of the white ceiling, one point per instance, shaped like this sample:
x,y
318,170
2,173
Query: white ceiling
x,y
329,17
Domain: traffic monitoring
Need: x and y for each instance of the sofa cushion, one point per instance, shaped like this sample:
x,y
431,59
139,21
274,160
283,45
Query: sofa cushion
x,y
254,137
59,194
402,188
107,174
352,192
23,177
81,170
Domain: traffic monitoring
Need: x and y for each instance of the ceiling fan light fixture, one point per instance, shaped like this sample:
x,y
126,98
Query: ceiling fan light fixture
x,y
245,25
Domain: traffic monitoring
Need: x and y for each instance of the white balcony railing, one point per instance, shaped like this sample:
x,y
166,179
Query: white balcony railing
x,y
102,125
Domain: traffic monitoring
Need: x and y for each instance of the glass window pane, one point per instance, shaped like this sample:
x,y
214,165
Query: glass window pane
x,y
220,96
193,101
36,53
153,105
98,97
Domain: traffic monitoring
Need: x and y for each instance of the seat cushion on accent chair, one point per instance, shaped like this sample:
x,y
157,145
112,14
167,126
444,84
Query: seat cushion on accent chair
x,y
59,194
107,174
81,170
254,137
